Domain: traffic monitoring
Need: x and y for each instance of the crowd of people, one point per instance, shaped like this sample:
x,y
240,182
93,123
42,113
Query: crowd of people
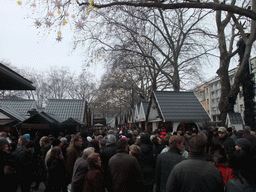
x,y
130,160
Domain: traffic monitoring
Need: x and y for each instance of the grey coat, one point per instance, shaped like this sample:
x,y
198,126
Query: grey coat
x,y
238,185
79,172
195,175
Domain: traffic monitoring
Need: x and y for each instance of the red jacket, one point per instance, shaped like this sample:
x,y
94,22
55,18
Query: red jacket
x,y
226,172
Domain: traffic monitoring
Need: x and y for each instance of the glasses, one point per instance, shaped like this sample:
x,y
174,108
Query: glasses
x,y
221,132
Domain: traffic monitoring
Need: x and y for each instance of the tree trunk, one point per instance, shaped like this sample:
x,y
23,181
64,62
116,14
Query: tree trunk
x,y
176,79
226,103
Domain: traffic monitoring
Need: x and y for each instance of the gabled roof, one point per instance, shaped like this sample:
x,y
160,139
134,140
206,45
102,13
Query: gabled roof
x,y
145,106
180,106
71,121
49,118
235,118
10,80
143,111
66,108
12,113
22,106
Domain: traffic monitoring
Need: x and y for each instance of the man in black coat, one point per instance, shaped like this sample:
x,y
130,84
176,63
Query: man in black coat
x,y
109,151
225,141
166,161
195,174
26,166
125,171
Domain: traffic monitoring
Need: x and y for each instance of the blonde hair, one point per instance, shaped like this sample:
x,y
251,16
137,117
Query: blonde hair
x,y
44,141
92,159
135,151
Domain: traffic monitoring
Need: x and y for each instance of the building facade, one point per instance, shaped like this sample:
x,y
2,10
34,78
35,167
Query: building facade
x,y
209,94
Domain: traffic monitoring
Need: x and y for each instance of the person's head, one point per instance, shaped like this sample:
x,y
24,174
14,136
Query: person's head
x,y
176,142
197,144
22,140
247,129
222,132
78,141
63,140
135,151
3,134
30,146
145,139
56,153
218,154
122,145
87,152
4,144
93,160
95,144
56,142
44,141
242,144
75,142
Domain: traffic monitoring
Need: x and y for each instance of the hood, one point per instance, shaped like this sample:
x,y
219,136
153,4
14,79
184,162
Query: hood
x,y
145,148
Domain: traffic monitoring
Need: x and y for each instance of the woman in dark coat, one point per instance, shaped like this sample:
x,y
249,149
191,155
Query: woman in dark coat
x,y
7,175
147,162
94,179
56,171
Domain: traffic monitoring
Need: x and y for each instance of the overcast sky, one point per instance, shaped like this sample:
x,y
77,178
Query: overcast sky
x,y
23,47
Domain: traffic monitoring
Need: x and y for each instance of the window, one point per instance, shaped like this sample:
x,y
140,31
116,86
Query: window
x,y
240,94
241,108
218,93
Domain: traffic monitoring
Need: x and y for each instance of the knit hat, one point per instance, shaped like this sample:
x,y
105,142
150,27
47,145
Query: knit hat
x,y
124,137
222,129
63,140
3,142
163,135
28,136
89,138
243,143
111,131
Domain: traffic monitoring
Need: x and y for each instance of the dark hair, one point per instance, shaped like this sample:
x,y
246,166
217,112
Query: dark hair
x,y
55,142
23,139
217,154
121,144
30,144
3,142
55,153
198,144
145,139
95,144
174,140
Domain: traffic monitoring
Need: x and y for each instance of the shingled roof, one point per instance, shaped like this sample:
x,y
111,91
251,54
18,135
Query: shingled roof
x,y
22,106
180,106
13,113
66,108
10,80
235,118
